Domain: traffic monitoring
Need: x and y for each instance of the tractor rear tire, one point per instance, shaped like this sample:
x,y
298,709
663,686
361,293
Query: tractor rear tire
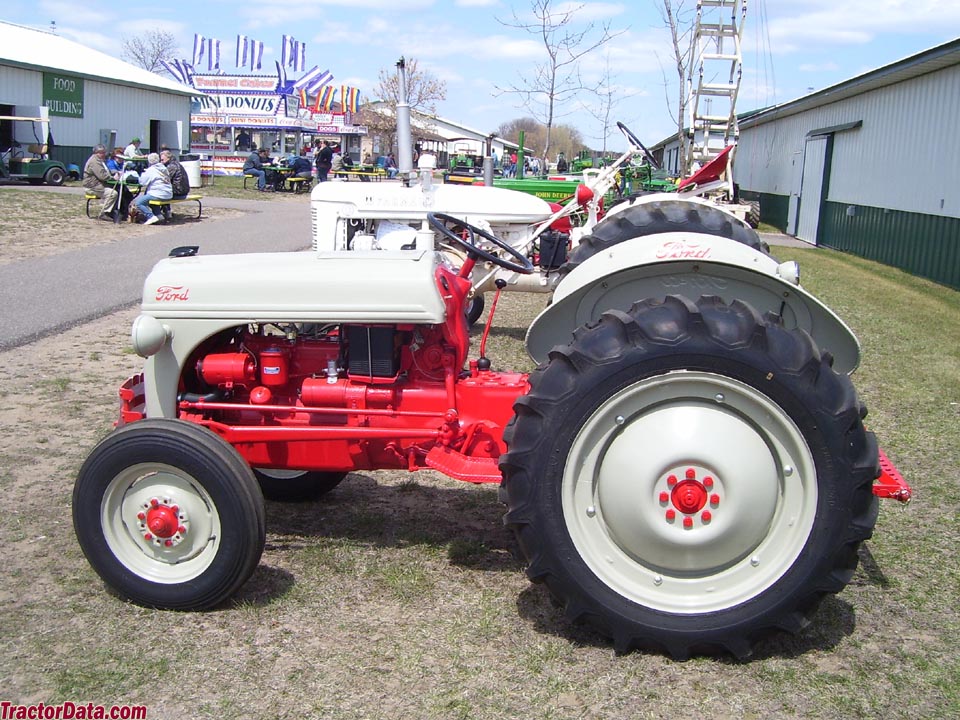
x,y
296,485
689,477
169,515
662,216
753,215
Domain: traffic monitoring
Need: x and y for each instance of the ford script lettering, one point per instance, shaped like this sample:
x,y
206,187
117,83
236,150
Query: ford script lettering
x,y
679,249
171,293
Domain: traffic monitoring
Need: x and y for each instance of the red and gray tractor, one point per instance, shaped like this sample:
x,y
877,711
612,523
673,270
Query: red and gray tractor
x,y
686,469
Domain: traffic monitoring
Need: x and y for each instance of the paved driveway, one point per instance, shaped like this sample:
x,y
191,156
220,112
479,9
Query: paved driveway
x,y
41,296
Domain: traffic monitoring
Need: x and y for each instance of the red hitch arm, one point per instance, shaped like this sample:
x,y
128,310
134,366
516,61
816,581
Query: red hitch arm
x,y
891,485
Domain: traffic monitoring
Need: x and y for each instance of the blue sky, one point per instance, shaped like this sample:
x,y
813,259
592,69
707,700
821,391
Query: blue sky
x,y
789,47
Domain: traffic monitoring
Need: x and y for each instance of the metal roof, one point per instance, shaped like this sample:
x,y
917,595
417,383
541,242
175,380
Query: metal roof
x,y
928,61
42,50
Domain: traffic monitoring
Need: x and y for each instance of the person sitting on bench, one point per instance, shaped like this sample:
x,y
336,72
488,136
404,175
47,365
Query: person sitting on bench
x,y
254,166
301,166
155,184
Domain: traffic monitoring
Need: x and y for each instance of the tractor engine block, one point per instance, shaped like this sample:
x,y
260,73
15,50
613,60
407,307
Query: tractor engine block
x,y
348,397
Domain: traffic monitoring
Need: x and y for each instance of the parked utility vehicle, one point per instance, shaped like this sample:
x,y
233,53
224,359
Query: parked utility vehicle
x,y
33,164
687,468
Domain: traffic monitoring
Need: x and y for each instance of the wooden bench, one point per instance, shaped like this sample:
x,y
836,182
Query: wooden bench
x,y
299,184
189,198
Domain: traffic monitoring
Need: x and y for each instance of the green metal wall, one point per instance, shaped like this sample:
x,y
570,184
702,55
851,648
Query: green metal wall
x,y
70,154
923,245
774,209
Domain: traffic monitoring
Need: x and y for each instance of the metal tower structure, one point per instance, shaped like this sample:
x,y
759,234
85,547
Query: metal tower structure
x,y
713,81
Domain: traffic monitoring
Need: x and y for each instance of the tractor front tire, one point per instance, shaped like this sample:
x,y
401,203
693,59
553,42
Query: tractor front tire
x,y
475,308
689,477
662,216
169,515
296,485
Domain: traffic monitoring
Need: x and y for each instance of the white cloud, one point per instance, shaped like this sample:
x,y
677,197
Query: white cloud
x,y
818,67
854,22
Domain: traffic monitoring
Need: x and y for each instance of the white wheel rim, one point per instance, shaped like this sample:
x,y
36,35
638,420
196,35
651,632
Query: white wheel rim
x,y
731,465
280,474
145,494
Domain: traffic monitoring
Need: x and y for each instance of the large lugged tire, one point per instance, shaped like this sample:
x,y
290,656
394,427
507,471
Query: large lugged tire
x,y
662,216
169,515
689,477
296,485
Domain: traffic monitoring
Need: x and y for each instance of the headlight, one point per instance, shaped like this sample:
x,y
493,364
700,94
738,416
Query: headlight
x,y
789,271
148,335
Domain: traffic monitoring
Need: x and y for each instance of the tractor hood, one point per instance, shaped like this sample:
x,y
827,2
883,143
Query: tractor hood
x,y
334,203
394,200
692,265
363,287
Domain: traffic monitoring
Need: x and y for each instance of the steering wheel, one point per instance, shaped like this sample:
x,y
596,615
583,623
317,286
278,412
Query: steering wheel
x,y
633,139
523,264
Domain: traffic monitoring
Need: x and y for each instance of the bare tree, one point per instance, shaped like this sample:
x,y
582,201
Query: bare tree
x,y
148,50
556,80
678,19
609,96
423,92
566,138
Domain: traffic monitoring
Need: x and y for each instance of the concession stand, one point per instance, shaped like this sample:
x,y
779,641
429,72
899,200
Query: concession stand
x,y
234,114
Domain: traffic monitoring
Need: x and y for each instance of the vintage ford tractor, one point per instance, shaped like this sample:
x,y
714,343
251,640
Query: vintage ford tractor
x,y
393,216
687,468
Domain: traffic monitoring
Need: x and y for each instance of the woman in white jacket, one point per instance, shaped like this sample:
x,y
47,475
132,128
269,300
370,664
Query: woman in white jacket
x,y
154,185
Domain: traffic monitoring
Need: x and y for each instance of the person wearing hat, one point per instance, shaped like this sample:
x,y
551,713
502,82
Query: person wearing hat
x,y
133,149
115,163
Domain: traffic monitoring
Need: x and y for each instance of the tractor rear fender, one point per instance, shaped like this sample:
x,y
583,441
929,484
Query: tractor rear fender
x,y
691,265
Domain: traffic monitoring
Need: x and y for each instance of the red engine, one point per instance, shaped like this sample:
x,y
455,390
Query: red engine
x,y
351,397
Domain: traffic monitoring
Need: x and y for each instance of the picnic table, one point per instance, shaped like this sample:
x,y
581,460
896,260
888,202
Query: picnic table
x,y
281,173
126,192
363,172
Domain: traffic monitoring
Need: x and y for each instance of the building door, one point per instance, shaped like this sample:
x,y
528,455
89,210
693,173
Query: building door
x,y
811,187
167,132
796,180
